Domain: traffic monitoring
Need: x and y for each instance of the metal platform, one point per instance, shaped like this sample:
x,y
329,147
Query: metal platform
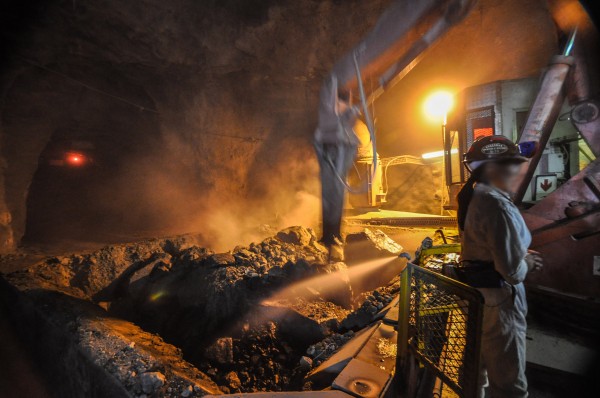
x,y
401,219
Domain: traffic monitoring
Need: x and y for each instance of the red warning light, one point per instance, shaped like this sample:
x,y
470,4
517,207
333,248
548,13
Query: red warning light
x,y
75,159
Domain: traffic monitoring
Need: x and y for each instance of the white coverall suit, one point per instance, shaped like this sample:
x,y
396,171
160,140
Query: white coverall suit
x,y
496,232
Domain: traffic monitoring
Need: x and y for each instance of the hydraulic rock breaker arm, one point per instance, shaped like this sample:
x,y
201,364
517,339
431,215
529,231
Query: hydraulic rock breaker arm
x,y
545,109
386,54
565,225
565,78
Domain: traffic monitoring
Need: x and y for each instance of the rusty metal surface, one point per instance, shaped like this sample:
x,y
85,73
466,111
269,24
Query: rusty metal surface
x,y
568,244
362,379
579,88
325,373
552,208
585,117
543,115
391,313
380,349
372,350
568,262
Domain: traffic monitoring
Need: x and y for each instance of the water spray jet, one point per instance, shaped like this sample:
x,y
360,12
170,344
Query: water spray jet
x,y
329,283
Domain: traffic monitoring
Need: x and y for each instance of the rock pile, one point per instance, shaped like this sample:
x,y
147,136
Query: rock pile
x,y
372,303
224,311
260,359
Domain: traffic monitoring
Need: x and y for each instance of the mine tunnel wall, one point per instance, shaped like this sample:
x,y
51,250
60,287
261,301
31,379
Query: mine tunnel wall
x,y
231,125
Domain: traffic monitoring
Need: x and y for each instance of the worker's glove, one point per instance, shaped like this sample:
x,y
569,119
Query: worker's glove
x,y
534,260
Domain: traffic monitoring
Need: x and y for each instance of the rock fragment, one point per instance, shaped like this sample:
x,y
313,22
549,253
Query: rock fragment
x,y
233,381
152,382
305,363
371,304
322,350
221,351
296,235
187,392
220,260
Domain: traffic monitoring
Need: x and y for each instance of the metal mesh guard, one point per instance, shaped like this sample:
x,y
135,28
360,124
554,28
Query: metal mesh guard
x,y
444,325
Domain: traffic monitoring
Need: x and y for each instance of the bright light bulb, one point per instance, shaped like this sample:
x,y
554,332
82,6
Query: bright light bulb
x,y
438,104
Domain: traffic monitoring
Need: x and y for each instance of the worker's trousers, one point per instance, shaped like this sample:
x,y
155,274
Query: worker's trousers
x,y
503,342
334,161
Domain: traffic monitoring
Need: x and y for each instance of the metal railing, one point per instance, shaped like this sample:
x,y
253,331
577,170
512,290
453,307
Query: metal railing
x,y
440,328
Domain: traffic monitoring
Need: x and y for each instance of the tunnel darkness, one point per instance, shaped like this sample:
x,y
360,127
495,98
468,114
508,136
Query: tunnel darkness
x,y
89,183
253,11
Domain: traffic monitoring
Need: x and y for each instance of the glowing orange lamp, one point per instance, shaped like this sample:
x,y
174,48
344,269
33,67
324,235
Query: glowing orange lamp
x,y
75,159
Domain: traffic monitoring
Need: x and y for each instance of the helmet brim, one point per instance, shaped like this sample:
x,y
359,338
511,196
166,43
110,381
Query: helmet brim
x,y
508,160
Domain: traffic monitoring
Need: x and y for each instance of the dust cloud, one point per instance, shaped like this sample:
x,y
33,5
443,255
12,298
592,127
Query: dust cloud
x,y
225,207
236,224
